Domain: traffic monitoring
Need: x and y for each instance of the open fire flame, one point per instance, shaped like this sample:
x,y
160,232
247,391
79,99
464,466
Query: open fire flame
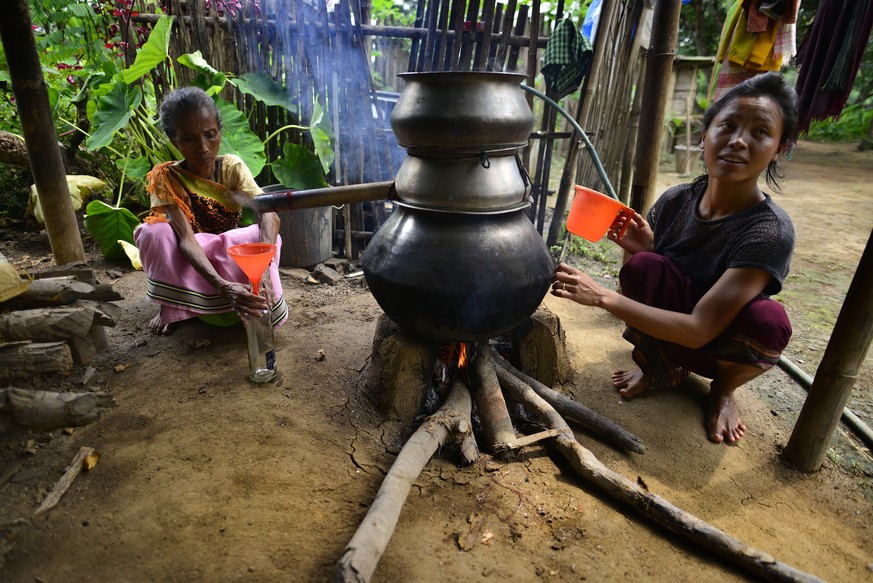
x,y
462,355
455,355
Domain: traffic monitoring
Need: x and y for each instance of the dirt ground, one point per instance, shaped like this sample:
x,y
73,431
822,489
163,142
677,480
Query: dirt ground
x,y
205,477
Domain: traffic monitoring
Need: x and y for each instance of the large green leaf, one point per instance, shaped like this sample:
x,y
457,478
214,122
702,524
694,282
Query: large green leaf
x,y
208,78
154,52
137,168
266,89
108,224
238,138
113,113
298,168
320,131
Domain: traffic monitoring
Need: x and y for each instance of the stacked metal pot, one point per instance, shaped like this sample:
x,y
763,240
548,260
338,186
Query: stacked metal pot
x,y
459,260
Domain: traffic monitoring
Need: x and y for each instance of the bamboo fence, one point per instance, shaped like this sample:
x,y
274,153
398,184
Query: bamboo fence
x,y
331,53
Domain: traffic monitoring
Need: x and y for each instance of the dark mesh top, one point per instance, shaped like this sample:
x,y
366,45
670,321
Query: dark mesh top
x,y
761,236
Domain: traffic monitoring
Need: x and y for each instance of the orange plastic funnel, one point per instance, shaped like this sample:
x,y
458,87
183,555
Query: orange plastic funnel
x,y
593,213
253,259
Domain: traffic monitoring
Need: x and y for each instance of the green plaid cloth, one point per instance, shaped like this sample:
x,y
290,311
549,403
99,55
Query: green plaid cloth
x,y
567,59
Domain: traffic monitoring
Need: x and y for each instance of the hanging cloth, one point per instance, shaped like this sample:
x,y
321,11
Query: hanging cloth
x,y
753,42
567,59
829,58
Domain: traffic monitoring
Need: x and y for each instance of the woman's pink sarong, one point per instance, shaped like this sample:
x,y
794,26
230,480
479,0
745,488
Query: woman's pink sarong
x,y
182,292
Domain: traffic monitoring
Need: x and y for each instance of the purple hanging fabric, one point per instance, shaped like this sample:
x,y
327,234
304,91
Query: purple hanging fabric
x,y
829,57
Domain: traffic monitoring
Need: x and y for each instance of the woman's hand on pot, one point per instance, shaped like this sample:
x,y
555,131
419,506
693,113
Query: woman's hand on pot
x,y
637,236
573,284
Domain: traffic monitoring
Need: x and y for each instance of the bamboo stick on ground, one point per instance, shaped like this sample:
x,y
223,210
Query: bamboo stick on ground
x,y
362,553
74,469
589,468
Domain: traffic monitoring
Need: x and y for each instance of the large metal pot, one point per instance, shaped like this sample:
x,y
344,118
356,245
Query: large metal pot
x,y
458,277
466,184
448,114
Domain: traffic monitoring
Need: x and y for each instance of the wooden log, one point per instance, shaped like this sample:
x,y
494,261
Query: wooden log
x,y
362,553
79,463
105,313
103,292
602,427
26,360
760,564
46,324
54,291
490,406
97,334
47,410
82,349
83,274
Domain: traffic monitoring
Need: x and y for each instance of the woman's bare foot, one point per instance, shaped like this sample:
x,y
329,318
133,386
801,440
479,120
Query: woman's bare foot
x,y
630,383
157,326
724,423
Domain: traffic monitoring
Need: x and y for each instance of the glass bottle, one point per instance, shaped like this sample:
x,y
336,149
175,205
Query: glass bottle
x,y
262,350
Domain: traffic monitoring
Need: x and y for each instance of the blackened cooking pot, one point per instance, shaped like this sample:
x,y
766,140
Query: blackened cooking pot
x,y
458,277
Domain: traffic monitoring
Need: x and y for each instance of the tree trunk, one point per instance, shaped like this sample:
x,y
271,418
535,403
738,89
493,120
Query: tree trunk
x,y
40,136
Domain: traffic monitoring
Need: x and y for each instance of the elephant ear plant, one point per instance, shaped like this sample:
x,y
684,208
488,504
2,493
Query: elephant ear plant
x,y
126,112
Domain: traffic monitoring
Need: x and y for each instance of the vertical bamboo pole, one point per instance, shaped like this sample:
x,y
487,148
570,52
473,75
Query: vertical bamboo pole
x,y
837,373
413,51
458,41
508,16
40,137
484,44
659,66
425,61
607,11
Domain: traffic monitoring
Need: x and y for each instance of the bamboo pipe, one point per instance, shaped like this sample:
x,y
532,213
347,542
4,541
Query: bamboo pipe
x,y
285,200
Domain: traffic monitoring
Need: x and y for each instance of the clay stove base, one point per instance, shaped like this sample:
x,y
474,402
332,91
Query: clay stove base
x,y
401,364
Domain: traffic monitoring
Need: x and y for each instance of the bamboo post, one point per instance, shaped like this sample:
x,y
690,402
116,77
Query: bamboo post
x,y
40,136
837,372
665,28
607,10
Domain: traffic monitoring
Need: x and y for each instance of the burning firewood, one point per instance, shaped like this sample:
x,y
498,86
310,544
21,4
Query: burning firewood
x,y
452,420
363,552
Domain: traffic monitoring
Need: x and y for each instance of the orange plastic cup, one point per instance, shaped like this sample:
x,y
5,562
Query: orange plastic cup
x,y
593,213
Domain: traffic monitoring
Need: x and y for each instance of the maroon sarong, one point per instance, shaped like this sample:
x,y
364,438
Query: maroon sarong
x,y
756,337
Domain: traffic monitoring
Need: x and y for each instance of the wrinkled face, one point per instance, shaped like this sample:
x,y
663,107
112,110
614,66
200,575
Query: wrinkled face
x,y
198,139
743,139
